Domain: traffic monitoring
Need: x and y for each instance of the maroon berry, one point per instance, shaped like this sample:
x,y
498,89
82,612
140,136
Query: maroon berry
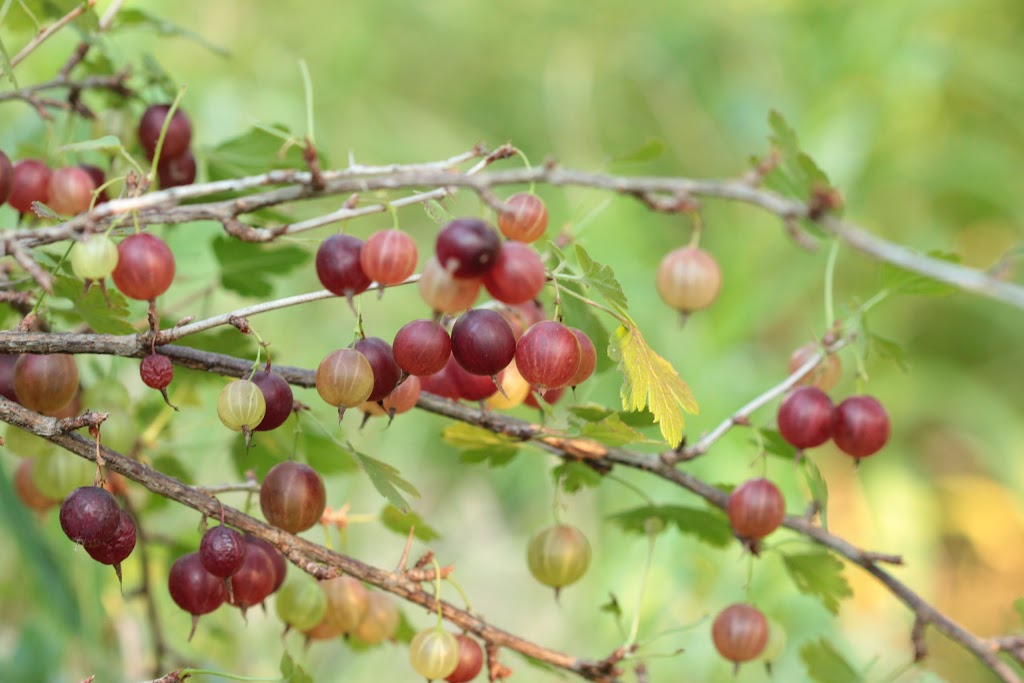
x,y
422,347
293,497
860,426
548,355
277,394
467,247
157,371
194,589
118,546
7,363
145,267
6,177
222,551
256,579
805,417
277,560
740,633
31,184
389,257
588,358
386,371
528,219
483,342
45,383
175,171
756,508
89,515
468,386
337,265
99,178
179,131
471,660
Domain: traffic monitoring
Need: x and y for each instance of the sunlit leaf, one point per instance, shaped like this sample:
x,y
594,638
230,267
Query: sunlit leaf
x,y
650,381
612,431
478,445
386,479
819,573
400,522
292,672
601,278
825,665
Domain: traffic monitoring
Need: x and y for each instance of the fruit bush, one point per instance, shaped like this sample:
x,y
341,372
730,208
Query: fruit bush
x,y
472,420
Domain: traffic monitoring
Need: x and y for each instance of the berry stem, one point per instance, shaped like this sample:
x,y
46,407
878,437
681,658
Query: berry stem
x,y
830,270
437,593
163,132
590,302
462,593
652,538
307,87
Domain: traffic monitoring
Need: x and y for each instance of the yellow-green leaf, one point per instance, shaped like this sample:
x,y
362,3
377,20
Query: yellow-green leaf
x,y
650,381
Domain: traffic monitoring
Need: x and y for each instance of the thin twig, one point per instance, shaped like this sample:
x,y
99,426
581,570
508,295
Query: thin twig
x,y
47,32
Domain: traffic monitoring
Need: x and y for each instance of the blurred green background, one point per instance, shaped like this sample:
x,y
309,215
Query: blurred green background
x,y
913,108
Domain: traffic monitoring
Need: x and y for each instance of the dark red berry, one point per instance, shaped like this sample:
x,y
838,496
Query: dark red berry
x,y
471,660
89,515
467,247
517,275
194,589
156,371
70,190
222,551
278,396
6,177
588,358
277,560
7,362
45,383
422,347
483,342
805,417
179,131
386,371
337,265
548,355
118,546
175,171
99,178
860,426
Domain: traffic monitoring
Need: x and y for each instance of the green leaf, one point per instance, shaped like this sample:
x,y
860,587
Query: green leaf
x,y
292,672
437,212
323,454
650,381
799,169
252,153
707,526
92,307
1018,605
246,268
574,476
819,573
649,151
612,606
386,479
591,412
137,18
601,278
43,211
902,281
889,349
107,143
825,665
400,522
478,445
612,431
774,444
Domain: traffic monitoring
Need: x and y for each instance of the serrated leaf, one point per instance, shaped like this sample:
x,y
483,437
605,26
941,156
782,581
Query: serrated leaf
x,y
437,212
612,431
478,445
650,381
400,522
137,18
707,526
386,479
799,165
601,278
649,151
107,143
574,476
825,664
591,412
902,281
820,574
252,153
246,268
92,307
889,349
